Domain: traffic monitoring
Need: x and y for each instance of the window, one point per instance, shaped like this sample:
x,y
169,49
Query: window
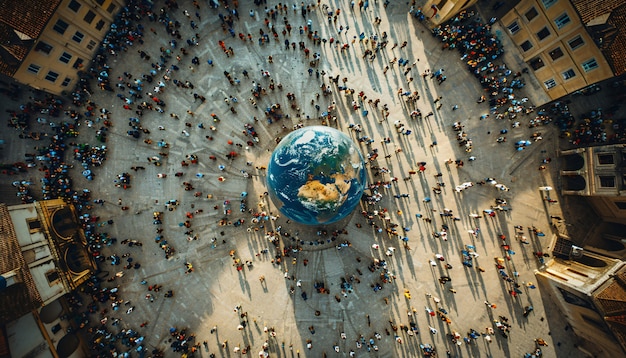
x,y
65,57
556,54
66,82
526,45
513,27
111,8
100,25
621,205
100,2
548,3
576,42
78,63
43,47
604,159
60,26
52,277
78,37
531,14
543,33
89,17
589,65
74,5
550,83
32,68
91,44
536,63
607,181
34,225
52,76
568,74
562,20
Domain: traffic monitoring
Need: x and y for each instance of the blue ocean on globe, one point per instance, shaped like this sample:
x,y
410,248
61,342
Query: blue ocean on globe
x,y
316,175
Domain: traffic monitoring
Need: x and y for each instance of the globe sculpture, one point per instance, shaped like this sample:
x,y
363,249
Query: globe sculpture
x,y
316,175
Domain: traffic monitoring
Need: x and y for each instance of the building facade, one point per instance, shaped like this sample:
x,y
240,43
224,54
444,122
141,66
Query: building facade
x,y
440,11
44,44
586,276
43,257
590,291
569,44
599,174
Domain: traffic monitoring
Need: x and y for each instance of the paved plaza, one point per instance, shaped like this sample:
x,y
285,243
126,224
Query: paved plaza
x,y
280,301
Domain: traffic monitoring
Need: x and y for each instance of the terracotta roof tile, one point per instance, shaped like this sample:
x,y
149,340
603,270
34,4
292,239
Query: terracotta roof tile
x,y
619,330
28,16
7,63
590,9
616,52
612,301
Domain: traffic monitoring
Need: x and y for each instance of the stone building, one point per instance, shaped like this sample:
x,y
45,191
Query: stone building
x,y
590,290
43,256
586,275
44,44
570,44
599,174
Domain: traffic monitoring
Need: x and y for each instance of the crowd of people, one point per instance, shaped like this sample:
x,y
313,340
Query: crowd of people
x,y
143,96
598,126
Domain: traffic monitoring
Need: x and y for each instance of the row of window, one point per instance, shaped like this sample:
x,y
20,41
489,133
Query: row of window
x,y
46,48
61,26
557,53
50,76
537,63
65,57
560,22
570,73
74,5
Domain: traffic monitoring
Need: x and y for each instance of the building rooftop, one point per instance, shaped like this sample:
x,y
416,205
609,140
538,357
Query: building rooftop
x,y
22,296
21,22
588,10
28,17
616,52
577,267
612,301
606,21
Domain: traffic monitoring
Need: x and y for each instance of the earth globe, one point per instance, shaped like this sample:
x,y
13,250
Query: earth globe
x,y
316,175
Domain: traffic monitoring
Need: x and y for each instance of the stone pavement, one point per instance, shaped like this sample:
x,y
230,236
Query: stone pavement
x,y
207,297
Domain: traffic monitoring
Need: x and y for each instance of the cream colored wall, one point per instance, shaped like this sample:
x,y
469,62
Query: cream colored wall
x,y
48,291
64,43
571,59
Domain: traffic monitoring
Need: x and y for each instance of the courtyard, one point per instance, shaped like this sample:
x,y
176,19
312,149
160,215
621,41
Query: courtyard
x,y
424,262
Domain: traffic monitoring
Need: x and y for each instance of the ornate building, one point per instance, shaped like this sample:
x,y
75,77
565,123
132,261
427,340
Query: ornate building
x,y
599,174
43,256
590,291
